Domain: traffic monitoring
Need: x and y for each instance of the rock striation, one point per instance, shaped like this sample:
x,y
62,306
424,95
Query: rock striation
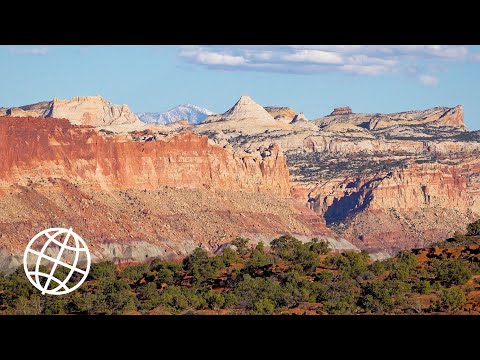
x,y
284,114
37,149
438,116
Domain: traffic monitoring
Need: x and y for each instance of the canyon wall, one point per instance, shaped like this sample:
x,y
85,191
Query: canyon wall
x,y
35,149
138,196
413,206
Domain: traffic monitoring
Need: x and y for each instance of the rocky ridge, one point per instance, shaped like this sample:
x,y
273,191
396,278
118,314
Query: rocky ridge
x,y
80,110
37,150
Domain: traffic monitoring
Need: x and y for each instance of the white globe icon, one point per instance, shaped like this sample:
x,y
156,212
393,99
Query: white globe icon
x,y
64,254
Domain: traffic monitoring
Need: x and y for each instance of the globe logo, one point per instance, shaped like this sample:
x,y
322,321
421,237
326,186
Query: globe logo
x,y
56,261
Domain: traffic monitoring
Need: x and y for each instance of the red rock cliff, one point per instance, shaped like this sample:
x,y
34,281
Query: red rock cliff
x,y
34,149
408,207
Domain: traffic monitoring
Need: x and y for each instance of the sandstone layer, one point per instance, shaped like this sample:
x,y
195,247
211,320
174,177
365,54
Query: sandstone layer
x,y
412,206
36,149
284,114
341,110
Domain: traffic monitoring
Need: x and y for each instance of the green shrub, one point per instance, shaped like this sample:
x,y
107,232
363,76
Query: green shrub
x,y
296,288
422,287
377,267
339,294
102,270
473,229
148,296
350,263
180,298
451,299
241,245
403,266
53,305
450,271
228,257
135,273
199,265
28,306
167,272
318,246
215,300
383,296
251,290
263,307
306,256
107,296
258,258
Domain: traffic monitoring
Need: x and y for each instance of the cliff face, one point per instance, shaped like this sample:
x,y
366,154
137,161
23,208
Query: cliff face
x,y
138,196
39,148
409,207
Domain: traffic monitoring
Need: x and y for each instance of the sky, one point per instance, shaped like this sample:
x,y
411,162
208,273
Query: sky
x,y
309,78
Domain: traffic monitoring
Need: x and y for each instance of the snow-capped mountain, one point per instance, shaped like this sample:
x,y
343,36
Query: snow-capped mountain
x,y
192,113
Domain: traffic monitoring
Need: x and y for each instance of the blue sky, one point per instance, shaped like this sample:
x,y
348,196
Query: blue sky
x,y
313,79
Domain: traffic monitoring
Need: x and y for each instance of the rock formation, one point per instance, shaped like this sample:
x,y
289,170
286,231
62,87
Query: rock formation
x,y
410,207
299,117
41,149
245,116
340,166
245,108
342,110
284,114
438,116
143,195
383,181
92,110
80,110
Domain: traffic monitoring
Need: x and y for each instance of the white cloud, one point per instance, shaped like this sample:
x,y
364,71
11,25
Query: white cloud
x,y
367,60
29,51
260,55
211,57
369,69
475,57
335,48
428,80
314,56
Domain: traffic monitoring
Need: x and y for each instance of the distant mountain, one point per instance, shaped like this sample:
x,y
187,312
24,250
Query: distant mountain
x,y
192,113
